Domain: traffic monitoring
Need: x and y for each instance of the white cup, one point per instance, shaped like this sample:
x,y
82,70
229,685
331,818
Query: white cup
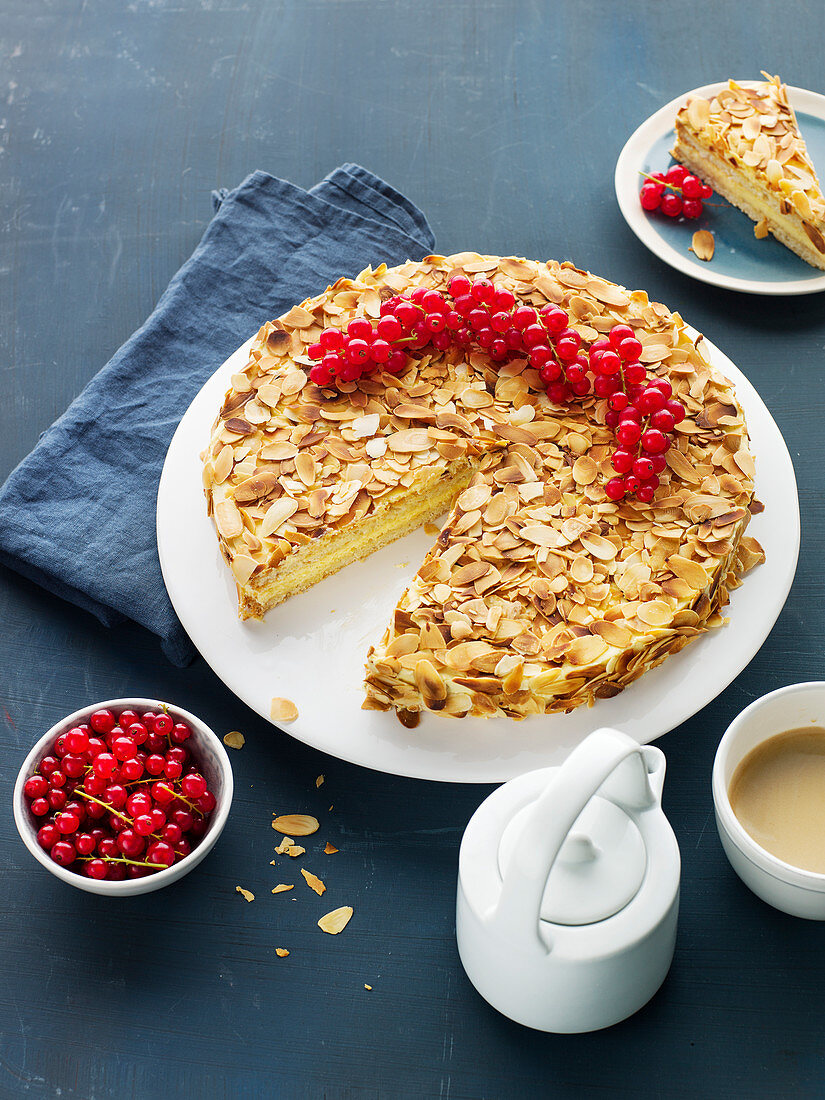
x,y
791,889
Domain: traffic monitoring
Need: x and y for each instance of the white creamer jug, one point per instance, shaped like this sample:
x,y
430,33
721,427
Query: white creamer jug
x,y
568,889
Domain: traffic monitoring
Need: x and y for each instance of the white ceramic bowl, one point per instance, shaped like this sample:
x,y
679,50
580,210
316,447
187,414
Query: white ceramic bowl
x,y
791,889
213,762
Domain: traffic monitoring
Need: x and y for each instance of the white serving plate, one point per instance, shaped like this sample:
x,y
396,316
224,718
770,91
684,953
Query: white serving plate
x,y
740,262
311,648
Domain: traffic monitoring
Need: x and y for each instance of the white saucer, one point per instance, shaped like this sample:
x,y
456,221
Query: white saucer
x,y
740,261
311,649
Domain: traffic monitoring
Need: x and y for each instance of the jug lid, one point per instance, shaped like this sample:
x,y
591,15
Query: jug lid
x,y
599,868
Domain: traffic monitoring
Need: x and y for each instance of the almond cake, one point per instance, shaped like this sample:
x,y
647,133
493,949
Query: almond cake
x,y
746,144
540,593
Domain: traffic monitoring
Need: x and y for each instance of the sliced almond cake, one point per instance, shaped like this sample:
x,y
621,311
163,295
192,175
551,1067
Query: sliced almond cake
x,y
541,592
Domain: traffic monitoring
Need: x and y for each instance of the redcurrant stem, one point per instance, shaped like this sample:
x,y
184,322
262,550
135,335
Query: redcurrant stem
x,y
131,862
100,802
191,805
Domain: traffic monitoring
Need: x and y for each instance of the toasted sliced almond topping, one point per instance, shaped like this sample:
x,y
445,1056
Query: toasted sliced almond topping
x,y
337,920
690,571
276,515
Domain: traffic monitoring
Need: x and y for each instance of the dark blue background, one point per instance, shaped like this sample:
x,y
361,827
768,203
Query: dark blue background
x,y
503,121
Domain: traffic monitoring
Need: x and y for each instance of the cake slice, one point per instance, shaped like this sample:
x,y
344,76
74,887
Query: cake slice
x,y
746,144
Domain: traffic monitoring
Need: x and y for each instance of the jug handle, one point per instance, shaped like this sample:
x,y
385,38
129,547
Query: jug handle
x,y
589,766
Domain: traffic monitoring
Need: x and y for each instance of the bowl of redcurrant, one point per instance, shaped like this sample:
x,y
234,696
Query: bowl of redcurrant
x,y
123,797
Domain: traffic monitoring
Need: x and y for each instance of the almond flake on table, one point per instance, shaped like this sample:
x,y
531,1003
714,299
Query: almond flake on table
x,y
313,882
295,850
279,889
319,782
281,952
299,824
367,986
234,739
336,921
247,894
285,845
330,849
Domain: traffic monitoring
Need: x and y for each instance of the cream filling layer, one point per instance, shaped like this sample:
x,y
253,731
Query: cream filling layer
x,y
402,513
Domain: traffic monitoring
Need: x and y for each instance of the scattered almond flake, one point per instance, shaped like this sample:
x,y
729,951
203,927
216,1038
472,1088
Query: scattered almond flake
x,y
319,782
295,850
285,845
313,882
760,230
703,245
234,739
299,824
283,710
247,894
282,886
281,952
336,921
329,849
369,987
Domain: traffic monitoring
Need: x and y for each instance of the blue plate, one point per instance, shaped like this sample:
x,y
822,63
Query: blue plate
x,y
740,261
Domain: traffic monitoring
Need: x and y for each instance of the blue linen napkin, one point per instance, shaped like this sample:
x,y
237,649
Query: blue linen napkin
x,y
269,245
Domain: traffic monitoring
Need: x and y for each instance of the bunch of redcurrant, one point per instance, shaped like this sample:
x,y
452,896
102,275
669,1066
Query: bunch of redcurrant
x,y
120,795
675,192
478,314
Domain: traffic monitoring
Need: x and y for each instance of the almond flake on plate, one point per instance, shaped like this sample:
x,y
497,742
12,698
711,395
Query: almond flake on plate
x,y
247,894
313,882
336,921
283,710
299,824
703,245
